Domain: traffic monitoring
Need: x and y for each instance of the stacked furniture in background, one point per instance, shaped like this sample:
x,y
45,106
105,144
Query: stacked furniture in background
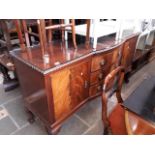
x,y
144,49
8,41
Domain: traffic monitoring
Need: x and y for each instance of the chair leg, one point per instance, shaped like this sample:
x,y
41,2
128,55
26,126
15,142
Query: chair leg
x,y
73,33
87,33
63,31
50,32
104,116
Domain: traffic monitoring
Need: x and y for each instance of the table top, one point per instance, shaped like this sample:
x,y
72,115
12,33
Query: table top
x,y
142,100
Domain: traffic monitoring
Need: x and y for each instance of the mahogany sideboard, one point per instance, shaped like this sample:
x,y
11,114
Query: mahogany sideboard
x,y
55,90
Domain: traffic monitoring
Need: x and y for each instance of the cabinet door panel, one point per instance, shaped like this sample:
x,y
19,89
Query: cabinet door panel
x,y
129,52
61,92
80,75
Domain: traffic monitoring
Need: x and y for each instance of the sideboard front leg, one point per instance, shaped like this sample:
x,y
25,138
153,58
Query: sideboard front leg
x,y
53,131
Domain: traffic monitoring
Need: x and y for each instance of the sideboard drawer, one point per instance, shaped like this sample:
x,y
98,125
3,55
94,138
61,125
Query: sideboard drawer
x,y
101,61
97,76
95,89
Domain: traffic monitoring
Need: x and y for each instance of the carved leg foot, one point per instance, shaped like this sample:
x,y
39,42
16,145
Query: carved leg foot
x,y
53,131
31,117
106,131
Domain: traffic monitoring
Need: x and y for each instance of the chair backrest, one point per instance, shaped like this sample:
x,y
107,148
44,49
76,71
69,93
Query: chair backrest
x,y
42,31
141,42
150,37
112,84
24,34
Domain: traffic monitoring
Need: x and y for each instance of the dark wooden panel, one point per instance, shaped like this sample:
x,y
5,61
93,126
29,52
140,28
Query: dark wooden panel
x,y
129,52
33,89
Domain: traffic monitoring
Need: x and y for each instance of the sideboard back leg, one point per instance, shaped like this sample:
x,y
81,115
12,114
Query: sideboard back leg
x,y
31,117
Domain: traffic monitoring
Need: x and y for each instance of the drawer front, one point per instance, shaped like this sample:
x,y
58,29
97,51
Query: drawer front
x,y
97,76
96,89
101,61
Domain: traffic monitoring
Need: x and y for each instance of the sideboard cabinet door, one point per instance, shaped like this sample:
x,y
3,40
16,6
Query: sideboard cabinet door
x,y
61,93
80,75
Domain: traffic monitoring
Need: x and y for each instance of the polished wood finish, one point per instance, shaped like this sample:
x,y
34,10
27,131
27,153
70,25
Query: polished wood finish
x,y
112,84
97,76
70,78
60,83
88,23
63,85
125,122
143,127
117,121
95,89
80,75
105,61
129,52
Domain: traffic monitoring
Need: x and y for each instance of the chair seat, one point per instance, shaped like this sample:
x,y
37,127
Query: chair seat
x,y
142,100
123,122
138,126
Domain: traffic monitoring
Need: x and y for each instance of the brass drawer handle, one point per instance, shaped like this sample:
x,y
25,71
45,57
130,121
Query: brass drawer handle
x,y
86,84
100,77
99,88
128,47
102,63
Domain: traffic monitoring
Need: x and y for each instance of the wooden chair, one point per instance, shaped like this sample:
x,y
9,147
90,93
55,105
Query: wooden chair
x,y
121,121
23,28
43,28
44,32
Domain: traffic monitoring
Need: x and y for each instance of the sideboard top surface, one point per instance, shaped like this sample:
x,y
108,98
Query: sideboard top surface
x,y
60,55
